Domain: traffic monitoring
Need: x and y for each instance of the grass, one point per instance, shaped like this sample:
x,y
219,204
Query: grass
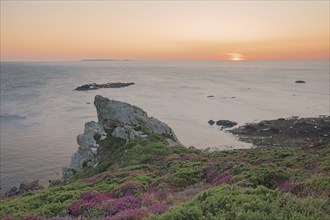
x,y
148,179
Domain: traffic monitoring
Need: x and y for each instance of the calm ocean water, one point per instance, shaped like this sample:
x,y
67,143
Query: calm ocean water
x,y
41,115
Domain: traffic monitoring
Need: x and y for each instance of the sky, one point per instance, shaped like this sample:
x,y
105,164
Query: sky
x,y
164,30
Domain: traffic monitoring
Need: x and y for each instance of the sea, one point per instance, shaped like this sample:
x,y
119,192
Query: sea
x,y
41,113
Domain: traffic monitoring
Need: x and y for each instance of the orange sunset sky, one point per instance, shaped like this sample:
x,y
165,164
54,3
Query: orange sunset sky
x,y
160,30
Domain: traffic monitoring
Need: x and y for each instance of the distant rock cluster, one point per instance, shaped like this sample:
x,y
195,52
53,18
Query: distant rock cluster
x,y
291,132
223,123
94,86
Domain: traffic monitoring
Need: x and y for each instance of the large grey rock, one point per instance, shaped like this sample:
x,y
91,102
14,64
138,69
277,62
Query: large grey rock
x,y
87,151
120,132
112,114
87,139
128,133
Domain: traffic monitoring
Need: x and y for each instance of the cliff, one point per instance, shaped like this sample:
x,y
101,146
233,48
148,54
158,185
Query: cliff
x,y
119,120
132,166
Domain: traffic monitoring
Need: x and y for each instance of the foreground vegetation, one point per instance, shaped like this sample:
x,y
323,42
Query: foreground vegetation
x,y
149,180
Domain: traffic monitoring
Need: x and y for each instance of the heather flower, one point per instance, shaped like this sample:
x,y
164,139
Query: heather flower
x,y
128,202
148,199
59,218
209,174
32,217
129,189
8,217
75,208
129,214
86,196
89,201
294,188
162,194
158,208
313,166
223,178
158,184
99,197
286,186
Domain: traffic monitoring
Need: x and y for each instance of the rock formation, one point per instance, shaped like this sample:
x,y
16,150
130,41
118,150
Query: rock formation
x,y
24,187
94,86
117,119
226,123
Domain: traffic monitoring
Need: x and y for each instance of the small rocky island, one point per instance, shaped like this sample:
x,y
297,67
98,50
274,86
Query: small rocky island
x,y
94,86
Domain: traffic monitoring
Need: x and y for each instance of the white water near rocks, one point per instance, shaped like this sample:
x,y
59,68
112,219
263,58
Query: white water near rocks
x,y
41,115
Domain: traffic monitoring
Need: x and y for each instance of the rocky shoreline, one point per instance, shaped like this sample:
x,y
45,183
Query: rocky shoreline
x,y
127,122
285,133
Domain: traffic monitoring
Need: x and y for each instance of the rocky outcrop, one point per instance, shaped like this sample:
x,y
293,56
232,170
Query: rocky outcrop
x,y
24,187
87,151
291,132
112,114
94,86
117,119
223,123
226,123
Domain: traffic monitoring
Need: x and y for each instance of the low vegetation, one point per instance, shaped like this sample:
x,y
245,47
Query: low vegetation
x,y
150,180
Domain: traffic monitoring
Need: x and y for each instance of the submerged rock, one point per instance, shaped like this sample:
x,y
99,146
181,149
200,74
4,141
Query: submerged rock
x,y
226,123
211,122
116,119
94,86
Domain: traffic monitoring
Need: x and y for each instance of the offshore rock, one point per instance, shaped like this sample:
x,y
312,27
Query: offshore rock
x,y
117,119
226,123
94,86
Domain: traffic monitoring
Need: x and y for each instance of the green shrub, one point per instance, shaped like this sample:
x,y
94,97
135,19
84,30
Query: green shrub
x,y
267,177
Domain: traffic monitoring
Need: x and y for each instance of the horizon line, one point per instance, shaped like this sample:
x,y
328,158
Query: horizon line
x,y
132,60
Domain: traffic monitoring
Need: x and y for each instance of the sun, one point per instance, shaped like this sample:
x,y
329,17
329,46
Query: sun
x,y
235,56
